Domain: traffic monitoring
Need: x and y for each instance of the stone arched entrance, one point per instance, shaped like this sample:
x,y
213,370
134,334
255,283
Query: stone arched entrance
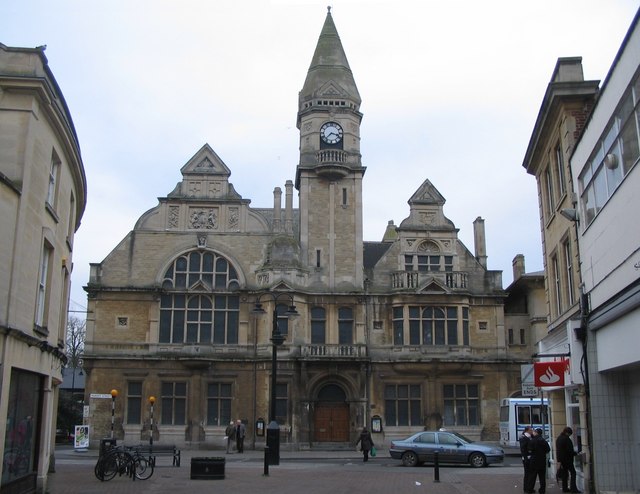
x,y
331,415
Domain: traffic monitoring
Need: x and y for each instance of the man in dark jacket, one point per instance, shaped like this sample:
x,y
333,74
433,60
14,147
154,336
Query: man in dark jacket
x,y
539,449
565,454
241,430
524,441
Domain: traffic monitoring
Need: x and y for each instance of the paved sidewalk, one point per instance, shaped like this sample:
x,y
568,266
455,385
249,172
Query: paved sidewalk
x,y
334,472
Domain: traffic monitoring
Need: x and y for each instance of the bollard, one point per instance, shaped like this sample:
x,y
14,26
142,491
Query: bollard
x,y
266,461
436,468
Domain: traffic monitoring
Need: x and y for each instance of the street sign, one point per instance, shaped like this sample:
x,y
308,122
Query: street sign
x,y
98,395
527,380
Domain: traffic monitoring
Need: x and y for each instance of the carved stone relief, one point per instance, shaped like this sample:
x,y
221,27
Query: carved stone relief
x,y
428,246
234,218
203,218
194,189
174,216
205,165
215,189
427,217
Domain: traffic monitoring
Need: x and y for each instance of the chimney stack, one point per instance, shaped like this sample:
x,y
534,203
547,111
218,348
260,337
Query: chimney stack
x,y
480,241
518,267
277,213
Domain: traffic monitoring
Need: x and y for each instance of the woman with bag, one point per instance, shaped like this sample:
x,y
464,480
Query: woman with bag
x,y
366,443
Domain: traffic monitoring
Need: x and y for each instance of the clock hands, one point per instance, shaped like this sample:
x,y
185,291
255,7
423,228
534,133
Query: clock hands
x,y
331,133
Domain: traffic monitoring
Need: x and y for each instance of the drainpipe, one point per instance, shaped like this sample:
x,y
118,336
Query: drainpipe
x,y
582,336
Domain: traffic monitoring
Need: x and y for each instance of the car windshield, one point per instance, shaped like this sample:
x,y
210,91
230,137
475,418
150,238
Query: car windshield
x,y
460,436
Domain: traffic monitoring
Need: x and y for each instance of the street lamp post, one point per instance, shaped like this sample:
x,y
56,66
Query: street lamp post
x,y
152,400
277,339
114,395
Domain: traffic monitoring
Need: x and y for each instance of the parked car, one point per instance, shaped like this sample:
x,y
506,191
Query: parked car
x,y
450,446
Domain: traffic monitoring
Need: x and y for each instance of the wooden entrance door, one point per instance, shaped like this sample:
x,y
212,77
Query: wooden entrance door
x,y
332,422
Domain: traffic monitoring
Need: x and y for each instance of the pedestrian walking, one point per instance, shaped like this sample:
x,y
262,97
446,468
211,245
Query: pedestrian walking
x,y
565,454
524,441
539,449
240,433
230,433
366,443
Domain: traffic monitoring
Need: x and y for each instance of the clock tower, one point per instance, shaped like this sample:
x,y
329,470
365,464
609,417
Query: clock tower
x,y
329,174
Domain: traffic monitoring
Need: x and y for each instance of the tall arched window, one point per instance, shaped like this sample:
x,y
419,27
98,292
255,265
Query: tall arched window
x,y
197,305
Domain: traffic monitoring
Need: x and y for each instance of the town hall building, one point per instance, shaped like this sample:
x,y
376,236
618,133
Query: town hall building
x,y
400,334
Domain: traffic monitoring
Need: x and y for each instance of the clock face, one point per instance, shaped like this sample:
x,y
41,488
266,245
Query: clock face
x,y
331,133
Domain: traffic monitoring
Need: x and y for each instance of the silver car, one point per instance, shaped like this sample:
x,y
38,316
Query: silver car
x,y
451,447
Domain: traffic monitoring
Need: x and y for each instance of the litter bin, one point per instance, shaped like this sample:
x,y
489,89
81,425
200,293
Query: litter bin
x,y
106,444
273,443
207,468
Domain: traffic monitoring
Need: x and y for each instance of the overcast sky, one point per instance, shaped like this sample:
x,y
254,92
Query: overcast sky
x,y
450,92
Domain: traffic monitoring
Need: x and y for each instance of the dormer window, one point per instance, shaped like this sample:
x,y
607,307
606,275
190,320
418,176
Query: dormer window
x,y
428,259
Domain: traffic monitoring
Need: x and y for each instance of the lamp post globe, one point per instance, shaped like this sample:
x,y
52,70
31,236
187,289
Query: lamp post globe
x,y
114,395
152,400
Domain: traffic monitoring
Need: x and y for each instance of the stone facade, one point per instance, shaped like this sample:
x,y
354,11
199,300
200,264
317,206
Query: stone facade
x,y
566,105
42,200
398,335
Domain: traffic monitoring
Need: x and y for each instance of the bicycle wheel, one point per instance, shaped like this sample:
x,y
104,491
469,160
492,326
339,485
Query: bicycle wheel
x,y
107,466
143,467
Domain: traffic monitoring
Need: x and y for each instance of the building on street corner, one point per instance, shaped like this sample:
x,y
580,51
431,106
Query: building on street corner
x,y
398,334
42,198
584,152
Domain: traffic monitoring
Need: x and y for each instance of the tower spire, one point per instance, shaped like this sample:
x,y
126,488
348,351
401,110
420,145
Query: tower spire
x,y
329,65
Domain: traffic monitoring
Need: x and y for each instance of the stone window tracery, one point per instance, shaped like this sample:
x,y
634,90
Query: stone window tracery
x,y
196,306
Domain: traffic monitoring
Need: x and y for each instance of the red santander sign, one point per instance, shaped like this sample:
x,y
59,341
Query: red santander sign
x,y
549,373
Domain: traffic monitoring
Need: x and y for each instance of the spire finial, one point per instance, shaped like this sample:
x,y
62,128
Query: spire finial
x,y
329,9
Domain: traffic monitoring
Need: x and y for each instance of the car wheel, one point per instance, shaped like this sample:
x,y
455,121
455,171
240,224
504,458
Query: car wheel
x,y
409,459
477,460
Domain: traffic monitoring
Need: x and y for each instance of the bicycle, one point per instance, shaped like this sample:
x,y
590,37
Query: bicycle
x,y
120,461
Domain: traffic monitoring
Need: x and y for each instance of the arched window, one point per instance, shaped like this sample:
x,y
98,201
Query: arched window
x,y
196,305
433,325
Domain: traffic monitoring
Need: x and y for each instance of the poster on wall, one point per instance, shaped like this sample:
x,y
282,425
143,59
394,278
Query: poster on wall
x,y
81,437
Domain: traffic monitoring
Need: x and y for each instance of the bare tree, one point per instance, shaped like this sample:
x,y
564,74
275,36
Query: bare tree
x,y
76,332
